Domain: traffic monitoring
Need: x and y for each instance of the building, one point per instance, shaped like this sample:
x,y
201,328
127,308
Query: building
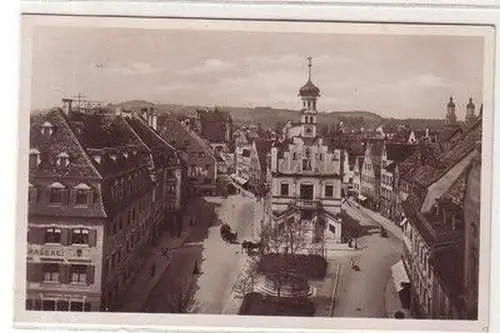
x,y
356,179
470,115
433,183
166,170
370,173
216,125
91,210
259,161
199,159
306,178
392,155
472,207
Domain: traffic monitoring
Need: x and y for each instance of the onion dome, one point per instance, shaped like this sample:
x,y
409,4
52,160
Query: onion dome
x,y
309,90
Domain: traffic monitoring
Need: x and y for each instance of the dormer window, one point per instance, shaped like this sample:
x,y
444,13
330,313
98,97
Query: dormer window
x,y
97,158
62,160
47,128
82,194
34,159
56,193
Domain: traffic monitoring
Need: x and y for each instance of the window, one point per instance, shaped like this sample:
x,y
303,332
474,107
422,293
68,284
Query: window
x,y
62,305
34,160
321,157
52,235
47,128
76,306
32,194
62,160
51,272
80,236
284,189
170,173
294,156
56,195
329,191
78,274
48,305
306,165
81,197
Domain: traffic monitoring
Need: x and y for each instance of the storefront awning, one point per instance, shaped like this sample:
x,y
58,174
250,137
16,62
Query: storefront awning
x,y
399,275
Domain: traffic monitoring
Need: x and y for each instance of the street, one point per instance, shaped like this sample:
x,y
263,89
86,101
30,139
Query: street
x,y
362,293
219,264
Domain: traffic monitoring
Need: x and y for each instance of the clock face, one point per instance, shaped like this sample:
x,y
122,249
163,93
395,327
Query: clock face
x,y
309,130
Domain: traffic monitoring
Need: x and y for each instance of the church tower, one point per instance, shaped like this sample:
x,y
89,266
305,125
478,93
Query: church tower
x,y
451,118
470,115
309,94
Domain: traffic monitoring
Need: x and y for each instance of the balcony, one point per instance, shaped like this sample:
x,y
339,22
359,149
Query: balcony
x,y
307,204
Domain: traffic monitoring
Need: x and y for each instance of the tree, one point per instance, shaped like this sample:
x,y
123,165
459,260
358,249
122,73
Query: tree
x,y
246,280
181,298
289,237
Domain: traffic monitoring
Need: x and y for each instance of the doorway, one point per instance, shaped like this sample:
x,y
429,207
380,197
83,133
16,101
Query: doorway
x,y
306,192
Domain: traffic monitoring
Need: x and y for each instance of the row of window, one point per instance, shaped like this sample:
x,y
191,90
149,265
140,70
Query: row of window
x,y
60,273
63,236
285,190
57,305
124,187
36,159
58,195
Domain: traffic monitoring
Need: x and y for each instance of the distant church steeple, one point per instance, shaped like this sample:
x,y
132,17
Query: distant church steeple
x,y
451,118
309,94
470,115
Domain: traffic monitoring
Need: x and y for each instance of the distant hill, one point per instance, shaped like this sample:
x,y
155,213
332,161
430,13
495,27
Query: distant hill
x,y
273,118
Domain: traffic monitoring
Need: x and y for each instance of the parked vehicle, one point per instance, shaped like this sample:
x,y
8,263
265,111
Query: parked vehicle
x,y
227,235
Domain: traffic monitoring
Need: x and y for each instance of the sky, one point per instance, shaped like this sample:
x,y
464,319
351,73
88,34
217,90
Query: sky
x,y
396,76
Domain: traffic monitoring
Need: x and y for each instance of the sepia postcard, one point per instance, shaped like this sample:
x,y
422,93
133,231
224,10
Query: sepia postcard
x,y
254,174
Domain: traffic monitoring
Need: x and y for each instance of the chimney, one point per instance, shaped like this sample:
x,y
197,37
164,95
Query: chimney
x,y
67,105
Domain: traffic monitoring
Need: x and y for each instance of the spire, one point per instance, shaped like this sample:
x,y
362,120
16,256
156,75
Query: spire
x,y
309,59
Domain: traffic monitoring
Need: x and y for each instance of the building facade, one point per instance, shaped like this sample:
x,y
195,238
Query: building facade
x,y
306,178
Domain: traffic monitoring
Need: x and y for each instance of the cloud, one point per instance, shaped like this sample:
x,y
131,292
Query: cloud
x,y
133,68
209,66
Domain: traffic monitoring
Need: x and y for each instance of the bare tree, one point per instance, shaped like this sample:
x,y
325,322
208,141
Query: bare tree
x,y
246,280
181,298
290,237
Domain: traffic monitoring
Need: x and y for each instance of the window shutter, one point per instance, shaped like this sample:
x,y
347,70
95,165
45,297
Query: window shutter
x,y
90,274
66,236
34,272
92,237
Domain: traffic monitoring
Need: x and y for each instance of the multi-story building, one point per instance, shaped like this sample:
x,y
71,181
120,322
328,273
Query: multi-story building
x,y
90,214
472,210
166,169
199,159
392,155
242,163
432,188
258,174
370,173
356,179
306,178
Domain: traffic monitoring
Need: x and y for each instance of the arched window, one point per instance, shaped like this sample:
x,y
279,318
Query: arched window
x,y
308,153
47,128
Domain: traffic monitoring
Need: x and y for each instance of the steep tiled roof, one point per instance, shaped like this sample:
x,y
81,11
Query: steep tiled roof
x,y
62,140
197,152
399,152
456,192
163,152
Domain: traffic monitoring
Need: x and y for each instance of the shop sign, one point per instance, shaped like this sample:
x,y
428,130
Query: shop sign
x,y
46,251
